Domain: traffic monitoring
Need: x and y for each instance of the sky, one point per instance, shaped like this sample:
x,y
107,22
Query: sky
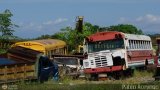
x,y
39,17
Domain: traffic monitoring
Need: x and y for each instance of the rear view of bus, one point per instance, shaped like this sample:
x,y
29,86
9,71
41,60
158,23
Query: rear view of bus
x,y
116,51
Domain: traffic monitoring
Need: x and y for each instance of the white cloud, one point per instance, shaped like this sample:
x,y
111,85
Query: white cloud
x,y
122,20
31,24
35,29
60,20
149,18
39,27
48,23
149,23
54,22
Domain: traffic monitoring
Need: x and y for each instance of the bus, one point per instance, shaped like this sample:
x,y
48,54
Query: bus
x,y
114,51
157,73
47,46
25,64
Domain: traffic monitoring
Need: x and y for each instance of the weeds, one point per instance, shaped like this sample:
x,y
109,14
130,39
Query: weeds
x,y
67,83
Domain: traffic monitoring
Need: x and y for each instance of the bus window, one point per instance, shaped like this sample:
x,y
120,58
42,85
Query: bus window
x,y
129,44
136,44
142,44
145,45
106,45
133,44
148,45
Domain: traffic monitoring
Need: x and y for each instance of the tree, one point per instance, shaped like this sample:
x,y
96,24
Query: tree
x,y
6,25
44,37
72,37
6,30
126,28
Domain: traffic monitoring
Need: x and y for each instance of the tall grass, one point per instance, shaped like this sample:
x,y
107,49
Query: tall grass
x,y
67,83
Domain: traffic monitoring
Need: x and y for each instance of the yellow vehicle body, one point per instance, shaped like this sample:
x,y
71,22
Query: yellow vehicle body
x,y
46,46
80,48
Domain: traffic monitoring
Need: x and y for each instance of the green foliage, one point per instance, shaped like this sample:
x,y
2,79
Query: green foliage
x,y
139,78
6,25
6,29
126,28
44,37
73,38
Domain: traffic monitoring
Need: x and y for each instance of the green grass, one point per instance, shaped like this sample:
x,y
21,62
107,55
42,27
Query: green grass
x,y
68,87
66,83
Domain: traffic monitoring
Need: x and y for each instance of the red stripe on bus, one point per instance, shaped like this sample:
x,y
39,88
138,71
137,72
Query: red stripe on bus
x,y
104,69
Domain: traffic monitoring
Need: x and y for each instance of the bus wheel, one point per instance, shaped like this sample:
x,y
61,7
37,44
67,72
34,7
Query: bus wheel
x,y
94,77
87,76
129,72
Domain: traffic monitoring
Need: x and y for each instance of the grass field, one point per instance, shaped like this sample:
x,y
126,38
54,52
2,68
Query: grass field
x,y
141,80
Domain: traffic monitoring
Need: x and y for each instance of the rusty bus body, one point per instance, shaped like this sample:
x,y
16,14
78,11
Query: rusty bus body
x,y
157,73
116,51
21,64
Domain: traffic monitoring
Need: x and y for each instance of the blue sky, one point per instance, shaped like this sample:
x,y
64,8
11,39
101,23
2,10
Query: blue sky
x,y
38,17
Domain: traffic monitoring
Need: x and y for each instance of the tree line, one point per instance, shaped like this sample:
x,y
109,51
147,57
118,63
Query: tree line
x,y
73,37
6,29
70,35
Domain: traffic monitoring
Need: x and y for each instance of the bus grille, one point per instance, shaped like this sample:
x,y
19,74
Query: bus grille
x,y
101,61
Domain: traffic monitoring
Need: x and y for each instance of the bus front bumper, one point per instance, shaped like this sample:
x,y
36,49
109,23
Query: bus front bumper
x,y
103,69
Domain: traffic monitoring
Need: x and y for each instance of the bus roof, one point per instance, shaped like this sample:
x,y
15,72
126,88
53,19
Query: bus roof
x,y
137,37
108,35
100,36
44,44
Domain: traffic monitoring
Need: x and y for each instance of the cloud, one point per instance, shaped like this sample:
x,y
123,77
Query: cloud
x,y
149,18
34,29
31,24
48,23
57,21
149,23
60,20
78,1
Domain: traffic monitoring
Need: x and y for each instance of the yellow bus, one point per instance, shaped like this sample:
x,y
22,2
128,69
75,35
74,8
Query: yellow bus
x,y
46,46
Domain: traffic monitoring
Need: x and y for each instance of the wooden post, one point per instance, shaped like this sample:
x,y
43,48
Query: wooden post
x,y
5,74
25,71
15,72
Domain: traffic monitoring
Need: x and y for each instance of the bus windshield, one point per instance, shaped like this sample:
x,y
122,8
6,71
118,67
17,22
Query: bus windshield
x,y
105,45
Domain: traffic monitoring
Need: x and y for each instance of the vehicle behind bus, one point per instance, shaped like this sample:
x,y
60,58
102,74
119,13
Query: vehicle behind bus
x,y
25,64
157,73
